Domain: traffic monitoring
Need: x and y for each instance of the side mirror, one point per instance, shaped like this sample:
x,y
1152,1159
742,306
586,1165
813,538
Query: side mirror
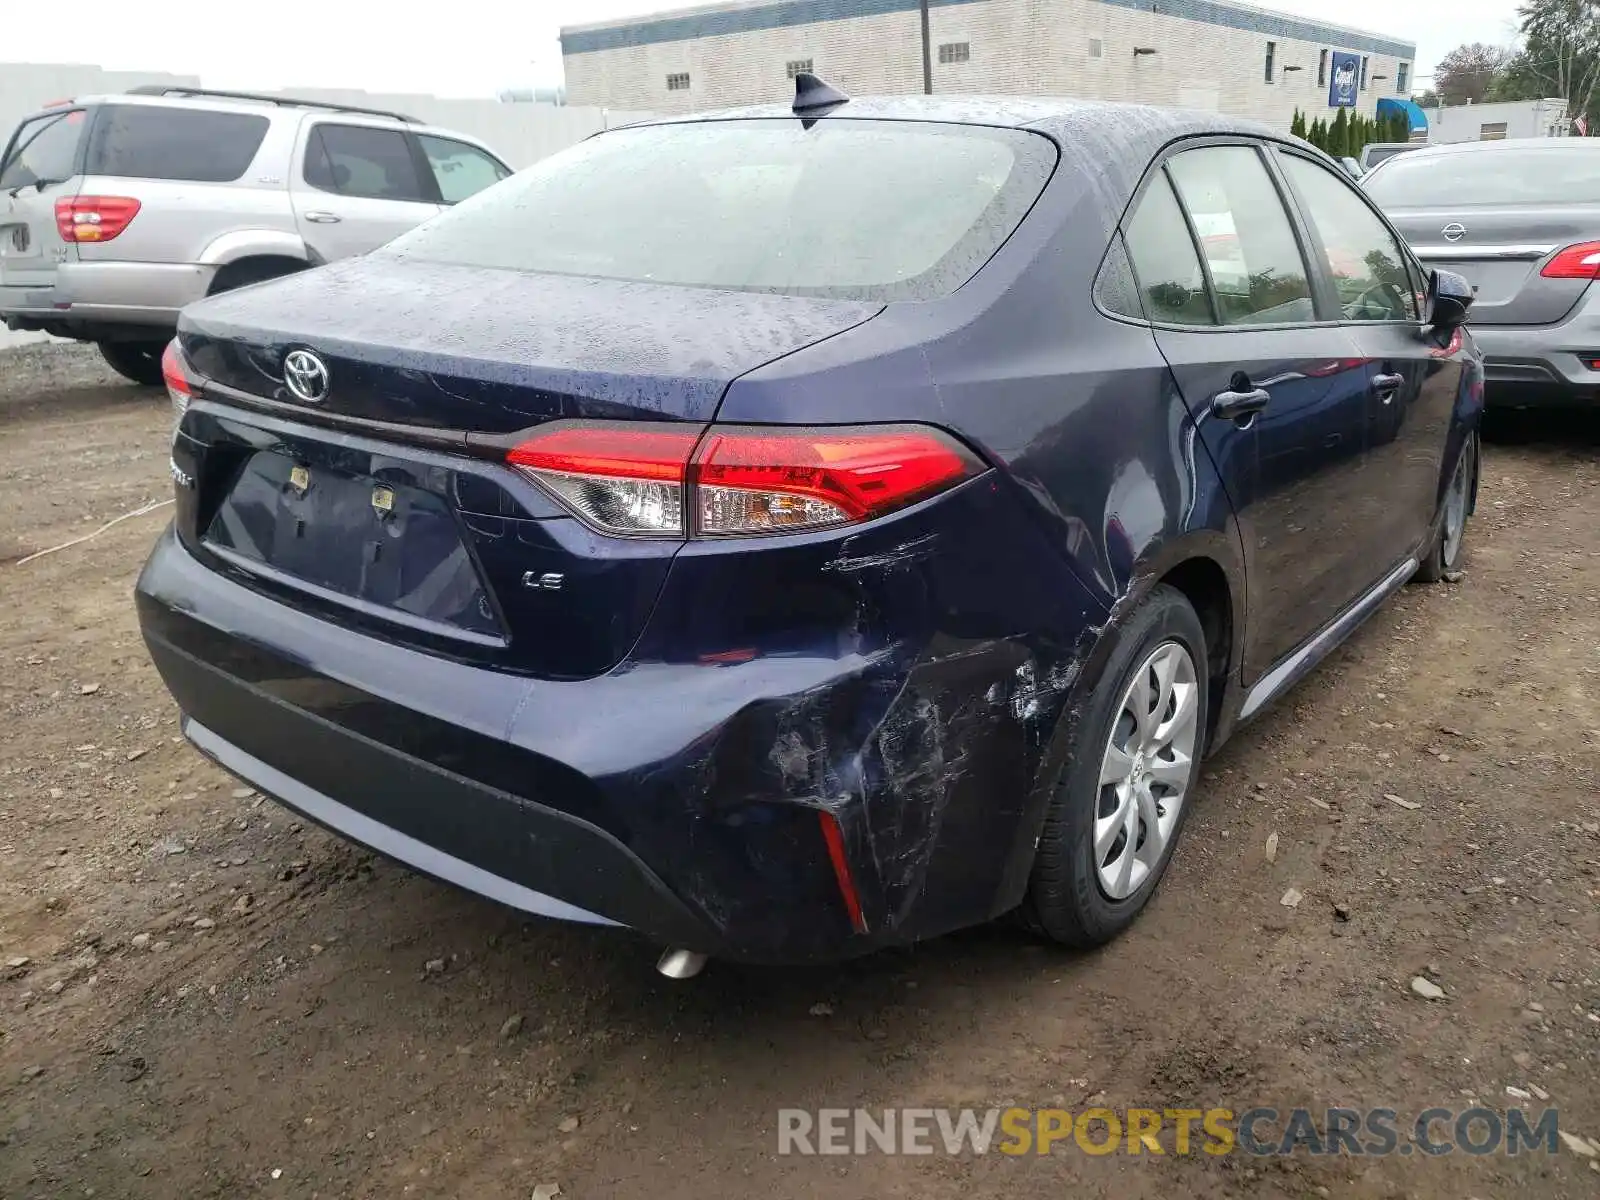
x,y
1449,301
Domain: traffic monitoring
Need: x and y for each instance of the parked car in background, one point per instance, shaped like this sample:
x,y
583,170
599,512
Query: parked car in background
x,y
1374,153
116,211
1520,220
809,529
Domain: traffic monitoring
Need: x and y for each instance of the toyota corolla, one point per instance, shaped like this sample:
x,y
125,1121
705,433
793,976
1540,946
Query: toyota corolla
x,y
812,528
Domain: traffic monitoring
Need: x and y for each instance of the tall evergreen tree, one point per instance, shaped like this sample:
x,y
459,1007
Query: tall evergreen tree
x,y
1339,135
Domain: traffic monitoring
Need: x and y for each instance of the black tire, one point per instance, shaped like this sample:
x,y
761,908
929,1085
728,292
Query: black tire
x,y
1445,553
1065,900
138,361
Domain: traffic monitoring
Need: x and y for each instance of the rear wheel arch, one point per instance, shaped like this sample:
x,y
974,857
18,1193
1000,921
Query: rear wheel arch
x,y
1206,568
1205,585
253,269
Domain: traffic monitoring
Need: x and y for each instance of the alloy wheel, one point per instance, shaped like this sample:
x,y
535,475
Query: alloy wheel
x,y
1455,503
1146,770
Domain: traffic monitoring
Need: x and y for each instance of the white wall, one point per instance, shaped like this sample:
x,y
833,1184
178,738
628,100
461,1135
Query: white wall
x,y
1522,119
1017,46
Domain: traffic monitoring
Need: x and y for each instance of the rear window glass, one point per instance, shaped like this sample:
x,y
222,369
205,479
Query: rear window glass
x,y
147,141
850,209
43,150
1519,175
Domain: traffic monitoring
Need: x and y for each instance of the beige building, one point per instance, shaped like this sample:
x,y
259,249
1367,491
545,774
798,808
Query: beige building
x,y
1197,53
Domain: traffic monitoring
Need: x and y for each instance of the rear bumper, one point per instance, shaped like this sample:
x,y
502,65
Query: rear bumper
x,y
294,734
675,795
27,302
94,299
1543,364
136,292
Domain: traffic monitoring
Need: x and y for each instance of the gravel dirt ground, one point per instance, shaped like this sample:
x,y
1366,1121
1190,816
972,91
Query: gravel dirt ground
x,y
201,997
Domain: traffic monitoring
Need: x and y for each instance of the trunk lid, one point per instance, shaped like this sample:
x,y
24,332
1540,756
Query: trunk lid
x,y
384,505
1499,250
483,351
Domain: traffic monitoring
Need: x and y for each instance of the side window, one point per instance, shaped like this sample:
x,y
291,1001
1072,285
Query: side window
x,y
461,170
356,160
44,149
1367,265
1249,244
1115,288
148,141
1164,260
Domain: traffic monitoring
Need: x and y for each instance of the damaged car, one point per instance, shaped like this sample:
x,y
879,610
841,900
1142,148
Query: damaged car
x,y
810,528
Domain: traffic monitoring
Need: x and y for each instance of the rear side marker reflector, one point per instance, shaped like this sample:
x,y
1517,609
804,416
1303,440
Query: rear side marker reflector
x,y
1575,262
834,837
655,480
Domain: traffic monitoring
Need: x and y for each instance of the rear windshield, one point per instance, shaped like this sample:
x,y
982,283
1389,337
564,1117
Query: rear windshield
x,y
147,141
1520,175
876,210
43,150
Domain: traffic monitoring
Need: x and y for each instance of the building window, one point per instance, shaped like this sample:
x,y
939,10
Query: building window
x,y
1495,132
1097,48
1272,53
1402,76
1365,63
678,82
955,52
1322,69
796,65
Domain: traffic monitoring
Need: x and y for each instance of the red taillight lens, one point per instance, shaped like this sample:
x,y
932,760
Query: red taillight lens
x,y
760,480
94,218
172,370
653,480
1575,262
180,390
620,477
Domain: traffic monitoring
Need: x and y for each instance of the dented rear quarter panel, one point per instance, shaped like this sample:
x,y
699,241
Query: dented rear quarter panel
x,y
1100,487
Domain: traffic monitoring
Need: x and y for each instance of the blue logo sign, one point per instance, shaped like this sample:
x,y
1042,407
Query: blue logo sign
x,y
1346,80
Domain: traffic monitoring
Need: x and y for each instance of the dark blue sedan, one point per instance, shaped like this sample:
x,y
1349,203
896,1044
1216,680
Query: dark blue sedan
x,y
803,530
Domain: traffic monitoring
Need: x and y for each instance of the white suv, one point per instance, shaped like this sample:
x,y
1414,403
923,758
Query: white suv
x,y
116,211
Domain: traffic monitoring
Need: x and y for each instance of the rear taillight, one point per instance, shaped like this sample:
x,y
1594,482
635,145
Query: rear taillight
x,y
738,481
94,218
180,390
1574,262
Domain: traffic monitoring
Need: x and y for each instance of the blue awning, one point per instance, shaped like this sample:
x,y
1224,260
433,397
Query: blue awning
x,y
1416,119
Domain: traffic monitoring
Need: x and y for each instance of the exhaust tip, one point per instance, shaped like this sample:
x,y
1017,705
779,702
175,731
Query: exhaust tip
x,y
681,964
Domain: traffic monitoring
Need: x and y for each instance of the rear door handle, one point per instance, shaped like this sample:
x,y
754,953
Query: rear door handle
x,y
1235,406
1387,385
323,218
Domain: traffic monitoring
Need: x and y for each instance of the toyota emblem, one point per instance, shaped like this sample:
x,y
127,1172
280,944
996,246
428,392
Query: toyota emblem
x,y
306,376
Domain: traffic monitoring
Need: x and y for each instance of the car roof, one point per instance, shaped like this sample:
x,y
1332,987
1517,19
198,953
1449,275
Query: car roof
x,y
1501,145
238,102
1136,123
293,108
1117,140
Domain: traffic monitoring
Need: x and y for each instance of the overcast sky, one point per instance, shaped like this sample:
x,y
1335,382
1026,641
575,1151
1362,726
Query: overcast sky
x,y
477,47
